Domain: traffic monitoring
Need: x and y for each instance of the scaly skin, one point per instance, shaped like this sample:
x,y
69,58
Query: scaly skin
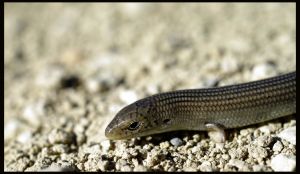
x,y
229,106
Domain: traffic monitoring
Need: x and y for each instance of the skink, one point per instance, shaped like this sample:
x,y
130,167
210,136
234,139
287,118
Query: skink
x,y
205,109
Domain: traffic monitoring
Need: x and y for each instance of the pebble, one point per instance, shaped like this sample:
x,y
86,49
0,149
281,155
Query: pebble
x,y
283,163
244,132
196,137
195,149
171,169
241,165
102,76
113,108
265,129
289,124
289,135
128,96
189,144
164,145
33,112
60,136
10,129
72,57
92,149
154,157
263,141
56,168
206,167
60,149
210,81
263,70
258,152
106,145
102,83
277,147
189,169
126,168
237,153
103,165
49,77
140,168
24,137
217,136
152,89
92,85
176,141
132,152
229,64
220,145
257,168
225,156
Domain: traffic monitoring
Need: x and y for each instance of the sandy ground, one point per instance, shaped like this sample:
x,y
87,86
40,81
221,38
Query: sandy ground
x,y
70,67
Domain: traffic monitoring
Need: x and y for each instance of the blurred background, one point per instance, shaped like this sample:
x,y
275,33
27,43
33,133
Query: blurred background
x,y
73,66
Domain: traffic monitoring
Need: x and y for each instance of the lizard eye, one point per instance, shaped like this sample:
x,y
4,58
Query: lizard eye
x,y
134,125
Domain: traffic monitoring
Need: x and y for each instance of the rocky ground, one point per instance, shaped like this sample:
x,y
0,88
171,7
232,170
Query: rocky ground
x,y
70,67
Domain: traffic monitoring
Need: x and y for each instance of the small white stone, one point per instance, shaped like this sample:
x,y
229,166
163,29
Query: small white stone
x,y
263,141
10,129
236,162
229,64
277,147
92,149
258,152
164,145
53,168
114,108
217,136
126,168
206,166
262,71
103,165
102,83
128,96
289,135
257,168
60,148
92,85
140,168
106,145
225,156
220,145
265,129
33,112
195,149
189,169
176,141
60,136
152,89
241,165
24,137
50,77
244,132
283,163
210,81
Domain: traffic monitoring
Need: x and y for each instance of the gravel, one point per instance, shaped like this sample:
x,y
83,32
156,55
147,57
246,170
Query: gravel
x,y
289,135
176,141
71,68
277,147
283,163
